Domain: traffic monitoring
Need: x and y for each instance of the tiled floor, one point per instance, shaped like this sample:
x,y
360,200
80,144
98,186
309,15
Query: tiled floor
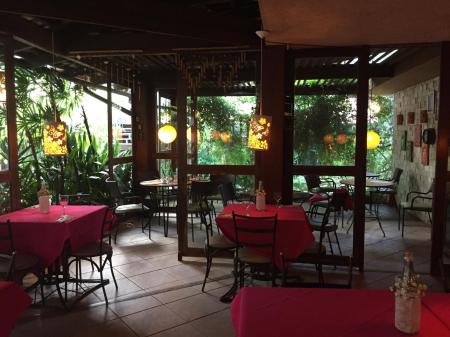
x,y
161,296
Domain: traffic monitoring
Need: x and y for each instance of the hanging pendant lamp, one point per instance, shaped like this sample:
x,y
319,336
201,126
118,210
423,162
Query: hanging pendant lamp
x,y
54,133
167,134
259,129
373,140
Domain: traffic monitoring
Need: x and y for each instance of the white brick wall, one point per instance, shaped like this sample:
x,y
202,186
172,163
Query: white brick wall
x,y
415,176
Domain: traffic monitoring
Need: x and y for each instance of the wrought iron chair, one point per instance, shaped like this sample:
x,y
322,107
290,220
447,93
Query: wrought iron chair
x,y
14,265
198,194
335,205
128,205
416,201
216,180
320,189
390,191
214,244
252,234
315,255
98,249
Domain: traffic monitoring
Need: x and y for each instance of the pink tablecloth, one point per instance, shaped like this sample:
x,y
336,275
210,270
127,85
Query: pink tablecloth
x,y
13,301
41,235
277,312
293,234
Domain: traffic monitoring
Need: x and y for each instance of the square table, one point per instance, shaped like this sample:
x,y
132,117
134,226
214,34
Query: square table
x,y
297,312
43,236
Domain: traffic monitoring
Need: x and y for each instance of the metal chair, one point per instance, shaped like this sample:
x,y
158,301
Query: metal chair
x,y
252,234
416,201
128,205
335,205
89,252
214,244
14,265
198,194
390,191
320,189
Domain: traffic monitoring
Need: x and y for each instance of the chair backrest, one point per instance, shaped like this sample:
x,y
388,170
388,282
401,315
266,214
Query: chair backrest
x,y
206,219
199,191
6,238
255,232
338,198
397,174
227,192
113,189
80,199
312,181
108,223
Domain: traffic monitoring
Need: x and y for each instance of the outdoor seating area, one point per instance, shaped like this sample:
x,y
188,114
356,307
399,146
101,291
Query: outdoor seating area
x,y
224,168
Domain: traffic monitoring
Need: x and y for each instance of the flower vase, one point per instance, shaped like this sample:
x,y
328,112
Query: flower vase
x,y
407,313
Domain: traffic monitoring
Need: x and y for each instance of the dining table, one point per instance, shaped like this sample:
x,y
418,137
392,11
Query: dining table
x,y
13,302
293,232
45,234
320,312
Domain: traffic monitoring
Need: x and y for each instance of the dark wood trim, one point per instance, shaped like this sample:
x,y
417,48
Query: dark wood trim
x,y
182,196
362,102
342,71
110,135
165,155
122,160
327,52
324,170
221,169
13,161
440,202
5,176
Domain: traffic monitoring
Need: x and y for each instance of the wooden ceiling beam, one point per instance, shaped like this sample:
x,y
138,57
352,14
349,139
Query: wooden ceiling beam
x,y
154,16
342,71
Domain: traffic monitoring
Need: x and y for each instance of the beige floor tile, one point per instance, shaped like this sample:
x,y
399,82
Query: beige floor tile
x,y
186,270
127,307
118,260
136,268
153,320
125,287
115,328
174,295
185,330
152,279
196,306
215,325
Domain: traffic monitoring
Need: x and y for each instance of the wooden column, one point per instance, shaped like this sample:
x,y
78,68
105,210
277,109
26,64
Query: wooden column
x,y
110,135
440,202
361,158
13,160
144,137
182,166
269,164
288,129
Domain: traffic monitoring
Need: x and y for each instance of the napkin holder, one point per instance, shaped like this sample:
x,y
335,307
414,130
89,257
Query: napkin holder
x,y
44,204
260,201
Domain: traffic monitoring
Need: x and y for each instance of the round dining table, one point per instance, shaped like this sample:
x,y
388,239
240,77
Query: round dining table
x,y
375,183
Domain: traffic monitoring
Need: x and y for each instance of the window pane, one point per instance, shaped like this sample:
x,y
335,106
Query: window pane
x,y
5,202
123,173
324,130
122,121
166,117
3,122
223,130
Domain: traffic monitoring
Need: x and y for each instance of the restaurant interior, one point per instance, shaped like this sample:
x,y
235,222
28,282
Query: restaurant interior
x,y
208,167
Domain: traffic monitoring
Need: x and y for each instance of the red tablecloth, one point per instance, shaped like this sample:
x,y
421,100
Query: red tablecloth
x,y
41,235
279,312
293,234
13,301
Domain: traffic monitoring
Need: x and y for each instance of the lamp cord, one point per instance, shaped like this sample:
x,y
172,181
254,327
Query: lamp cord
x,y
261,77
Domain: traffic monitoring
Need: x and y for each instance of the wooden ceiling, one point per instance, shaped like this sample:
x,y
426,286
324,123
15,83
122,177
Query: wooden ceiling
x,y
93,39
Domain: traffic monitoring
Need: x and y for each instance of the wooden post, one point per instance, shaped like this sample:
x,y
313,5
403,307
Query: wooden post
x,y
288,129
13,160
440,202
110,135
361,158
182,166
269,164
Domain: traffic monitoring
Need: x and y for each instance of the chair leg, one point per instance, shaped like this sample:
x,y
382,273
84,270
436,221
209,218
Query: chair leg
x,y
399,212
338,244
41,284
241,274
329,242
379,224
100,270
208,268
112,271
403,222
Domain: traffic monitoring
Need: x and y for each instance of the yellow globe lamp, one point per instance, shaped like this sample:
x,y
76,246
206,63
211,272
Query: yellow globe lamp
x,y
373,140
328,138
167,134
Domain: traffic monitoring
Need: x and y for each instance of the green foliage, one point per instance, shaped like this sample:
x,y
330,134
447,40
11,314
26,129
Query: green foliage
x,y
38,93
